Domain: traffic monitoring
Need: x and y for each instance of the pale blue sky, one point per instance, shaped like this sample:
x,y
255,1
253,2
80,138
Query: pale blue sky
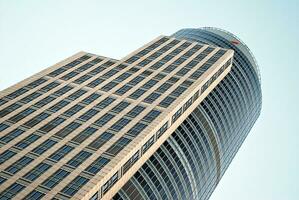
x,y
37,34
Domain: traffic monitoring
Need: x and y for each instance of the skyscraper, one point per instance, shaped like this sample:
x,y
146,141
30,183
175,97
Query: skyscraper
x,y
163,122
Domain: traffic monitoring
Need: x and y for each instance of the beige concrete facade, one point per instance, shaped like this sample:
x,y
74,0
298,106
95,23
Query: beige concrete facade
x,y
97,181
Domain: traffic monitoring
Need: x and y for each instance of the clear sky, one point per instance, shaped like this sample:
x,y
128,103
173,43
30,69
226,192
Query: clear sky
x,y
36,34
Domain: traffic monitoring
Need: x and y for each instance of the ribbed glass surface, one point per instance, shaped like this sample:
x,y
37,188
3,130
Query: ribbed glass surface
x,y
190,164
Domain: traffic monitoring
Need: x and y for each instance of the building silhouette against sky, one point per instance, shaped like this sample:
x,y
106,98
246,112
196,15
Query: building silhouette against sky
x,y
163,122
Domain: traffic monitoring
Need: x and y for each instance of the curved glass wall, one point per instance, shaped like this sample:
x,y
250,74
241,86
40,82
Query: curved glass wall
x,y
190,164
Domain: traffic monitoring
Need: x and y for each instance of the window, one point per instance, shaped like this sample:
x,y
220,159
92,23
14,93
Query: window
x,y
148,144
44,146
97,165
6,155
109,86
52,124
37,171
63,90
86,133
72,64
95,82
58,105
27,141
177,115
2,180
162,130
79,158
2,102
69,75
57,72
166,102
118,146
75,185
110,183
3,126
137,93
100,141
36,83
67,129
123,89
37,119
182,71
88,115
73,110
16,93
136,80
97,70
84,67
169,69
44,101
30,97
18,165
9,109
82,79
11,135
91,98
137,129
11,191
61,152
120,124
157,65
149,84
123,77
135,111
106,102
21,115
36,195
120,107
178,91
49,87
110,73
77,94
164,87
130,162
152,97
104,119
55,178
151,116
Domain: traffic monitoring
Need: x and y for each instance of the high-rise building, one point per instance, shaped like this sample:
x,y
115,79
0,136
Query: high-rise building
x,y
163,122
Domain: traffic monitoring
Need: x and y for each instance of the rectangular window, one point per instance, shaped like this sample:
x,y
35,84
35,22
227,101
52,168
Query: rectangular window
x,y
136,80
3,126
9,109
6,155
44,101
110,183
135,111
57,72
109,86
21,115
63,90
123,77
36,83
67,129
73,110
46,145
30,97
52,124
74,186
55,178
95,82
151,116
61,152
88,114
97,165
77,94
79,158
120,107
118,146
58,106
150,84
16,93
123,89
106,102
100,141
97,70
86,133
35,195
138,93
11,135
37,171
82,79
91,98
148,144
36,120
104,119
69,75
84,67
152,97
49,87
137,129
120,124
18,165
166,102
27,141
11,191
